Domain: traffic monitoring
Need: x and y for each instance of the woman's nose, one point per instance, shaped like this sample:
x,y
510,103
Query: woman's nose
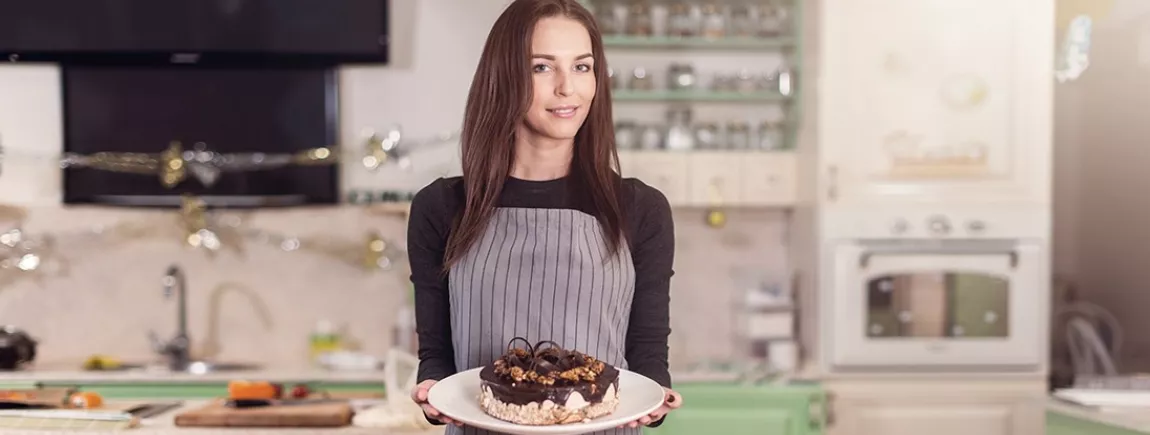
x,y
564,87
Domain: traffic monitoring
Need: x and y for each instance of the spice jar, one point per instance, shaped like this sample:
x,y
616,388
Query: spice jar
x,y
679,134
723,83
681,21
611,17
743,22
639,20
681,77
773,19
714,24
770,135
626,135
640,80
745,82
652,138
738,135
707,136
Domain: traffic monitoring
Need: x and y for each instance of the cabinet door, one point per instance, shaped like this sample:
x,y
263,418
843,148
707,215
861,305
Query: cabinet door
x,y
936,101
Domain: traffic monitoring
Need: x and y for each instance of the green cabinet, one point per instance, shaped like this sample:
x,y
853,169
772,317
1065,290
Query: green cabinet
x,y
1062,424
734,409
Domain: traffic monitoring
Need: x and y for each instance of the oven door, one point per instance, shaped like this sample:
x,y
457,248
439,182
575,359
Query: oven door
x,y
953,305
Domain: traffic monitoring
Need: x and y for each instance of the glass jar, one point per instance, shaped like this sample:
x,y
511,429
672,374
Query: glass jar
x,y
774,19
714,24
652,138
708,136
770,135
640,21
626,135
679,21
640,80
681,77
723,83
743,24
679,134
738,135
611,17
745,82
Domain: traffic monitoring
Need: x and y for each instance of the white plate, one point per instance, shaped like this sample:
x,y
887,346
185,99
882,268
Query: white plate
x,y
458,397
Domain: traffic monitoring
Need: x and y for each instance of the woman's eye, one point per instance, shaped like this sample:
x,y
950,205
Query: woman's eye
x,y
583,68
540,68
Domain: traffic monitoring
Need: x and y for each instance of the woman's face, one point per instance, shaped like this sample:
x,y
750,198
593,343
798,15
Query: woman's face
x,y
563,73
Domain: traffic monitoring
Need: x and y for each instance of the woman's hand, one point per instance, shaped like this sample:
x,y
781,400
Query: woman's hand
x,y
419,395
671,401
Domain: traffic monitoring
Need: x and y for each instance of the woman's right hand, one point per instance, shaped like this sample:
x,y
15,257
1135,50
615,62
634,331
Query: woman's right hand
x,y
419,395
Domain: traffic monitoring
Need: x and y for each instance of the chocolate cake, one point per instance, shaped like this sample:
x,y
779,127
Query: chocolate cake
x,y
546,385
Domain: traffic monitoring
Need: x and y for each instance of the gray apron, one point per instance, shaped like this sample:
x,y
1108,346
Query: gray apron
x,y
541,274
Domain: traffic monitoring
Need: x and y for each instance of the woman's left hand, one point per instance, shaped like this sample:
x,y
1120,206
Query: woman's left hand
x,y
671,401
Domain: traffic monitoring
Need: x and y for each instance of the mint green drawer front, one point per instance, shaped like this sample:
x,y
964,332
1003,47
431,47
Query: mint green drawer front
x,y
722,408
1062,424
727,422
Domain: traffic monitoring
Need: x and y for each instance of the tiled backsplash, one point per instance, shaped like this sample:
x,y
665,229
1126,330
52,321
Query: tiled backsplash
x,y
111,294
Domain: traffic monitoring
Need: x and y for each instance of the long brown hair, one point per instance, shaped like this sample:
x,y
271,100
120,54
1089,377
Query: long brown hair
x,y
501,93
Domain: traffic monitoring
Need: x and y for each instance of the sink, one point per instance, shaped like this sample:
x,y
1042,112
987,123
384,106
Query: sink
x,y
205,367
201,367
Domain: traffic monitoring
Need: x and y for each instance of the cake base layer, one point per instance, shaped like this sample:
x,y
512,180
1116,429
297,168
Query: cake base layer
x,y
548,412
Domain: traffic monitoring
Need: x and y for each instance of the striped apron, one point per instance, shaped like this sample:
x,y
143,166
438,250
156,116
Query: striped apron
x,y
541,274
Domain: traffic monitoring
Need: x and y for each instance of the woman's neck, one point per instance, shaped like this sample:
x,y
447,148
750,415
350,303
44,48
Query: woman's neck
x,y
541,159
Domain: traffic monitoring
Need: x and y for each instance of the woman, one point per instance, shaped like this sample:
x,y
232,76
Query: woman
x,y
540,237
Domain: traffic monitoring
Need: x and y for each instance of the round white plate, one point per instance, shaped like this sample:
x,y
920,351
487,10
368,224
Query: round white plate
x,y
458,397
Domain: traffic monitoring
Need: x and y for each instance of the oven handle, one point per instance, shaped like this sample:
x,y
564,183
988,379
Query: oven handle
x,y
864,258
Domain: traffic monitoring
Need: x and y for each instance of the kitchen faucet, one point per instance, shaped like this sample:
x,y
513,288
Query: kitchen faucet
x,y
177,349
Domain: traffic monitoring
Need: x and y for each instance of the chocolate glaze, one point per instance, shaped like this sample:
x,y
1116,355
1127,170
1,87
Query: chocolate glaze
x,y
521,393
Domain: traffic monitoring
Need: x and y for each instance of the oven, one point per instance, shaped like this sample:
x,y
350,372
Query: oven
x,y
949,302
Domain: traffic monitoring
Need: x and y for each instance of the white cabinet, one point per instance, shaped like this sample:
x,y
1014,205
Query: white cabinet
x,y
935,101
958,407
716,179
664,171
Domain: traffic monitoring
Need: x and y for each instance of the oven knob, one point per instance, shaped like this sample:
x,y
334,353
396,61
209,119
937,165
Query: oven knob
x,y
938,225
976,226
900,226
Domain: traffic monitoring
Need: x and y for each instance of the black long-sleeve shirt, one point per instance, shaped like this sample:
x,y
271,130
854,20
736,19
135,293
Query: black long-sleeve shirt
x,y
649,220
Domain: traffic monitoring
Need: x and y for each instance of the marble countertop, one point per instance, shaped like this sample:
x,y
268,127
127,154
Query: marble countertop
x,y
1137,420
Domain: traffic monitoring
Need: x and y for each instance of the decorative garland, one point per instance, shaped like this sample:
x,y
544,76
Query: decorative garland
x,y
175,164
24,254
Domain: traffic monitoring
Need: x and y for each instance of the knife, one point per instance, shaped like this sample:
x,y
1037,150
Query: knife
x,y
260,403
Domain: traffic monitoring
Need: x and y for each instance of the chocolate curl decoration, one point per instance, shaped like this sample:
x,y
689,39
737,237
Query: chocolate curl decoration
x,y
543,360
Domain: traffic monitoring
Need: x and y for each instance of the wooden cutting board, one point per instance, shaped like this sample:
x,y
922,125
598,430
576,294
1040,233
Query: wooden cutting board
x,y
217,414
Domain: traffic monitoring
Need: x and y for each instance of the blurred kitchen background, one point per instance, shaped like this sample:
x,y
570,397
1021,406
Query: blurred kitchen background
x,y
938,200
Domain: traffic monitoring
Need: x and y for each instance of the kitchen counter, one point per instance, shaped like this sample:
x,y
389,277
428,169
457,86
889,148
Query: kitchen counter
x,y
164,424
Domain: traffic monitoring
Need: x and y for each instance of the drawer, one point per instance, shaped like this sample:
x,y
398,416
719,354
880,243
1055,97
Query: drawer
x,y
666,171
714,179
768,179
686,421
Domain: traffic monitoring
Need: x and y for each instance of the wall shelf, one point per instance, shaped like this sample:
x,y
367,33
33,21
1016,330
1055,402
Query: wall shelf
x,y
699,43
620,95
